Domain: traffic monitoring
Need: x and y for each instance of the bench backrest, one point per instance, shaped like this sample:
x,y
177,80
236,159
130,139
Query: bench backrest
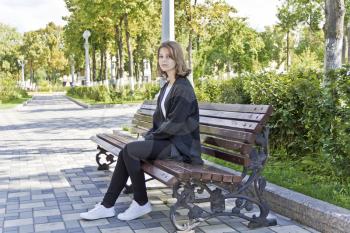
x,y
228,131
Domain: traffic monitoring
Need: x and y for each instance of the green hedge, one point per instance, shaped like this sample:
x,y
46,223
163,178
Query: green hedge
x,y
308,123
104,94
9,90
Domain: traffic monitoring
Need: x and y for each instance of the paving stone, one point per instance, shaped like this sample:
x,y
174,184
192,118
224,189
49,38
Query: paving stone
x,y
98,222
42,196
32,205
217,228
49,226
289,229
26,229
69,217
42,213
152,230
42,219
72,224
18,222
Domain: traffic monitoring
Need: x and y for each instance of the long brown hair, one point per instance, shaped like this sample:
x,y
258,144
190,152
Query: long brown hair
x,y
177,55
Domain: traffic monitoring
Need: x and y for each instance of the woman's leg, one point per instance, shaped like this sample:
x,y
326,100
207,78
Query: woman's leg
x,y
136,151
118,182
129,164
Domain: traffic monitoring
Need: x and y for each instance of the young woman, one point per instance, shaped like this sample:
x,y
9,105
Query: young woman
x,y
175,135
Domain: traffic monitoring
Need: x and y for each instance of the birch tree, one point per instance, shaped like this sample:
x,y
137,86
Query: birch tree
x,y
334,30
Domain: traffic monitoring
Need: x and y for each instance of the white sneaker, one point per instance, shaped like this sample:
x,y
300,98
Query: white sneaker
x,y
135,211
98,212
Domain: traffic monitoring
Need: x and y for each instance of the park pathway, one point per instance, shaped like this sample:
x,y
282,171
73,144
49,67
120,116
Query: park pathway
x,y
48,174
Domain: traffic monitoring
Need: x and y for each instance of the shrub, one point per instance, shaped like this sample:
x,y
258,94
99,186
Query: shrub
x,y
9,90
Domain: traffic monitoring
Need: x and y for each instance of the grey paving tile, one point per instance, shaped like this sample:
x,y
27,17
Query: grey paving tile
x,y
124,229
289,229
18,222
152,230
49,226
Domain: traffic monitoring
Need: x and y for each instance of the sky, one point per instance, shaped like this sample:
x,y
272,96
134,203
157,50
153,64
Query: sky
x,y
28,15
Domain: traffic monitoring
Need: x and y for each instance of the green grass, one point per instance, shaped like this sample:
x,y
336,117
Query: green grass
x,y
290,175
13,103
92,102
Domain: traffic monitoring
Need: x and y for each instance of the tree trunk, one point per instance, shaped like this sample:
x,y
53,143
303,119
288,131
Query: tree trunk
x,y
100,74
348,32
72,71
334,26
131,62
93,63
343,54
287,58
120,49
105,77
31,73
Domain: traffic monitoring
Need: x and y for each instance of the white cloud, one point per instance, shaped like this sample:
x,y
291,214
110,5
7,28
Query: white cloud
x,y
28,15
260,13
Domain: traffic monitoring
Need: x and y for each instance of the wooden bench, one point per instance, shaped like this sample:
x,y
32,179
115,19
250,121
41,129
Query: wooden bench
x,y
235,133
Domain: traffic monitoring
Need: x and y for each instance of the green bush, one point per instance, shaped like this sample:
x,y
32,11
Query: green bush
x,y
208,90
103,94
9,90
310,123
299,114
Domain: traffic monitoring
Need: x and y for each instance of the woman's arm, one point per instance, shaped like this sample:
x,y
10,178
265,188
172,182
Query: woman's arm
x,y
177,115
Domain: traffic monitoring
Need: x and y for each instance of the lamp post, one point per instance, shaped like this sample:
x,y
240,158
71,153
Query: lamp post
x,y
168,20
22,64
86,36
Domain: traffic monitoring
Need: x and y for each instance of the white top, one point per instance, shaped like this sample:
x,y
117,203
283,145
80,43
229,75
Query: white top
x,y
167,90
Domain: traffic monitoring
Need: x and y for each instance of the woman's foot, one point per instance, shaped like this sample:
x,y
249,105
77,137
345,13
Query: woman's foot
x,y
135,211
98,212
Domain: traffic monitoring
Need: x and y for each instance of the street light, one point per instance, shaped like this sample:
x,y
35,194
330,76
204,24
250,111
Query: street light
x,y
86,36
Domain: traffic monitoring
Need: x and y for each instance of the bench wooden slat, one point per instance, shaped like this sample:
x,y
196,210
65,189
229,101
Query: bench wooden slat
x,y
105,145
111,140
246,137
230,134
249,108
201,172
227,144
239,116
255,117
145,115
233,124
159,174
228,156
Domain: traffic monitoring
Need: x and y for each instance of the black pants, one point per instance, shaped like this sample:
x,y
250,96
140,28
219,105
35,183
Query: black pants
x,y
129,164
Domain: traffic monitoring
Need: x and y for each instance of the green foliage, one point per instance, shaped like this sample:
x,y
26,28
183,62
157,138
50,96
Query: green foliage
x,y
208,90
232,91
337,142
305,61
103,94
299,111
310,123
9,91
10,41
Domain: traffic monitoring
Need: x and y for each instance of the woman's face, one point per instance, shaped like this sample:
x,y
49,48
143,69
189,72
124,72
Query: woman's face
x,y
166,63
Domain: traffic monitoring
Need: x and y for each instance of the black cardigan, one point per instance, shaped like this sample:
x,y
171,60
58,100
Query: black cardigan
x,y
181,125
